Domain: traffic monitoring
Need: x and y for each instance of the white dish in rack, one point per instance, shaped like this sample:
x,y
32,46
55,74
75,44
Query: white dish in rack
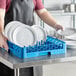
x,y
24,36
40,32
12,30
9,28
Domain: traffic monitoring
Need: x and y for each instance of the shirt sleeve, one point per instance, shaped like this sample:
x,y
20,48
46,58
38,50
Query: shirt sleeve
x,y
3,4
39,5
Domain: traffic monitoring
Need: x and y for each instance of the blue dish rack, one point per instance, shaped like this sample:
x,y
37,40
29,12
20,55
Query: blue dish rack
x,y
49,47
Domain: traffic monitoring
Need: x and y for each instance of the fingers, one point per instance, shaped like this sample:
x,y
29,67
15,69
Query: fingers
x,y
5,38
61,28
1,46
5,46
3,43
58,27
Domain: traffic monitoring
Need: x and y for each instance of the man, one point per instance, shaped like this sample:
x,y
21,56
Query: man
x,y
21,10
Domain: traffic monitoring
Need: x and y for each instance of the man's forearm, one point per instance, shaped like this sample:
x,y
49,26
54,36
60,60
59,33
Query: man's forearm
x,y
1,25
46,17
2,15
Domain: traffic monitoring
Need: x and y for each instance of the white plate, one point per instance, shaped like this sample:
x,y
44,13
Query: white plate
x,y
40,32
9,26
24,36
67,32
11,30
71,44
72,37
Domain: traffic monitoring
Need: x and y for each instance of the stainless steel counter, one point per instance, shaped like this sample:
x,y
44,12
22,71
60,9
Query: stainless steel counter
x,y
15,63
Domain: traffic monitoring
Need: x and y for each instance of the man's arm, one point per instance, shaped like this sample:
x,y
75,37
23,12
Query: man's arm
x,y
2,15
47,18
3,43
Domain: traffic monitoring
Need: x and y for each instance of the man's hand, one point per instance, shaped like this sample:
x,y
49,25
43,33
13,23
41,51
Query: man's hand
x,y
48,18
3,43
3,39
58,27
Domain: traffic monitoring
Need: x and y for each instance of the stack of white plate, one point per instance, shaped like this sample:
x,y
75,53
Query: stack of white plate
x,y
24,35
69,36
40,33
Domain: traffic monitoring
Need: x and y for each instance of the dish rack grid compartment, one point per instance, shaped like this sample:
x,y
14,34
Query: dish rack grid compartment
x,y
49,47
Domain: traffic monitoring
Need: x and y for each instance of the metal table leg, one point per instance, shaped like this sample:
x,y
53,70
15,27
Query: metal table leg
x,y
16,72
38,70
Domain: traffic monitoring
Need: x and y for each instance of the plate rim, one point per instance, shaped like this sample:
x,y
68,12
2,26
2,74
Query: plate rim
x,y
12,29
8,26
66,28
45,34
34,34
